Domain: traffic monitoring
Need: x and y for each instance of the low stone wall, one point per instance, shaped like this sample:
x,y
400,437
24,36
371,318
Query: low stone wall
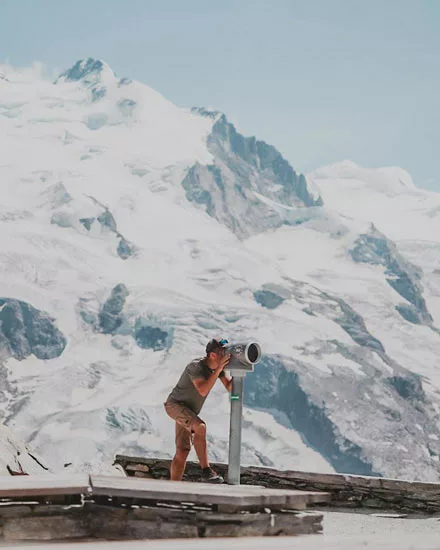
x,y
149,522
36,522
348,491
92,521
109,515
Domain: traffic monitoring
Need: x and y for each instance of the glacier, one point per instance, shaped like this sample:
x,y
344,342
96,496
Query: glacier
x,y
134,231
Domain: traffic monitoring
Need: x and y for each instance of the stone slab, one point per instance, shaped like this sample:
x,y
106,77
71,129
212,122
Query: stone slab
x,y
43,485
241,496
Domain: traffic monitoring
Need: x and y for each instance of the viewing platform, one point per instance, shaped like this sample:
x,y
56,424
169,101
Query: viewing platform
x,y
82,507
144,504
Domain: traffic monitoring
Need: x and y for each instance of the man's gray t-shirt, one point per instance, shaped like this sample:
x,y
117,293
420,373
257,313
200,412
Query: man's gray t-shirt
x,y
185,392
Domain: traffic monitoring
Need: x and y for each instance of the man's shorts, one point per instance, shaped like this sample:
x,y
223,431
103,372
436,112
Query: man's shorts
x,y
186,421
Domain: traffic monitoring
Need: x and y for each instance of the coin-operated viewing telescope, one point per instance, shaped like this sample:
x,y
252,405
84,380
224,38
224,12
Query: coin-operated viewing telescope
x,y
243,359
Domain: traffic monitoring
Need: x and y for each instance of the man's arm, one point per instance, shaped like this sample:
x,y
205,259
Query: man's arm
x,y
227,382
204,385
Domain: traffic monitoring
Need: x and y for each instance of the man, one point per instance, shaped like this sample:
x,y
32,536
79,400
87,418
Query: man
x,y
185,402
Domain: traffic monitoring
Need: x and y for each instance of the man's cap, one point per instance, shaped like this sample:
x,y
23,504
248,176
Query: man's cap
x,y
214,345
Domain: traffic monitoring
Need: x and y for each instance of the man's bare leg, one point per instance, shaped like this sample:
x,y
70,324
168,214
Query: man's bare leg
x,y
200,445
178,465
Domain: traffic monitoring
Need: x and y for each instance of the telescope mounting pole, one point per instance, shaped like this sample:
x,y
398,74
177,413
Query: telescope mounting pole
x,y
235,427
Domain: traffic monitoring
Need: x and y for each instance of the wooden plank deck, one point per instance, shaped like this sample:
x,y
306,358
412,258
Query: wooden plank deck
x,y
43,485
238,497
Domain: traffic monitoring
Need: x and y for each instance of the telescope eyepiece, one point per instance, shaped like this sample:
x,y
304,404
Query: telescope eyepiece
x,y
253,353
246,354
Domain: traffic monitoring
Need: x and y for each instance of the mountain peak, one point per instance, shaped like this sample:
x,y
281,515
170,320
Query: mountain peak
x,y
92,73
84,69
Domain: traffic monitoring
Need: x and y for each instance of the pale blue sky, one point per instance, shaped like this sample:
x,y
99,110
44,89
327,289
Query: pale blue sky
x,y
322,80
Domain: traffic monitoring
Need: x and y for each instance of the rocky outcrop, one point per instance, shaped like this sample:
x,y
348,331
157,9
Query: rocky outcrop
x,y
82,70
273,387
110,317
231,147
106,220
315,302
250,187
26,331
268,299
361,424
374,248
125,250
88,71
149,337
87,222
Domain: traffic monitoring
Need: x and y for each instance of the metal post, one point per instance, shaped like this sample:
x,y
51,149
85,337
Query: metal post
x,y
235,428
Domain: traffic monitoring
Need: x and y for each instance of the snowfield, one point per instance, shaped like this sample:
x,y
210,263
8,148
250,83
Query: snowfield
x,y
133,231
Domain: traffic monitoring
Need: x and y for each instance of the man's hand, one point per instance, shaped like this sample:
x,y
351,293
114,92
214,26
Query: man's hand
x,y
224,361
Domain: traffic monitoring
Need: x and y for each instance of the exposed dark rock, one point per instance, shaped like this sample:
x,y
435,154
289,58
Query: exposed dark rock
x,y
148,337
106,219
354,325
83,69
317,302
110,318
25,330
262,156
124,82
125,249
409,388
195,192
374,248
88,310
268,299
98,93
250,187
205,112
273,387
409,313
87,222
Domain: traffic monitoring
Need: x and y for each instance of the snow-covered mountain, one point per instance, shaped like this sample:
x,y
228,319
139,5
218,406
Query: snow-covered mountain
x,y
132,231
